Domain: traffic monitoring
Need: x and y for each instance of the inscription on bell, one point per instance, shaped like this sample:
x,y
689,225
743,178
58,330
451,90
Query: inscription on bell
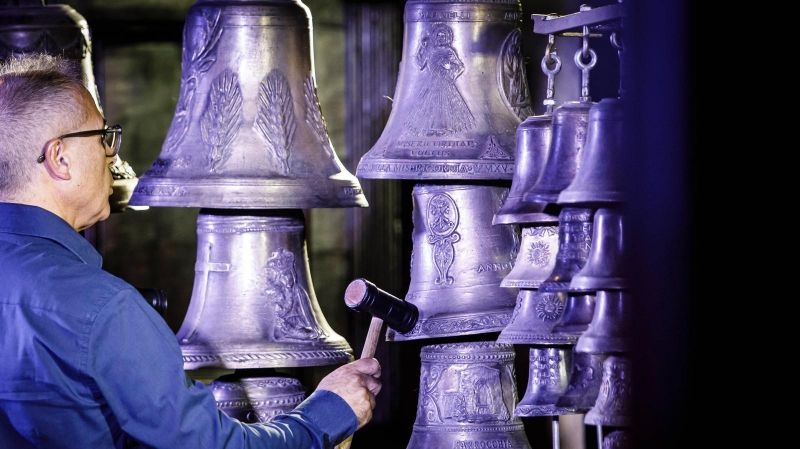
x,y
444,15
494,267
490,444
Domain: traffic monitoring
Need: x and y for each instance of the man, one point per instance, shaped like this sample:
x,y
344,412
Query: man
x,y
86,362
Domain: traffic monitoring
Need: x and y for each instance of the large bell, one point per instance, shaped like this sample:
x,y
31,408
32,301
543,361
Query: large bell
x,y
533,144
248,130
466,398
253,304
461,92
604,268
566,146
547,381
600,180
35,27
257,399
458,260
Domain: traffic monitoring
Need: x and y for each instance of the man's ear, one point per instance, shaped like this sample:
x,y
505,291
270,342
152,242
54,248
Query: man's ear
x,y
56,161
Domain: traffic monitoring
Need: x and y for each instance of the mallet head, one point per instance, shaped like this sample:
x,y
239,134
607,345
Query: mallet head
x,y
364,296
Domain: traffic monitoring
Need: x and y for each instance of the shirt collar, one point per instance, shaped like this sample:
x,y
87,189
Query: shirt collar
x,y
34,221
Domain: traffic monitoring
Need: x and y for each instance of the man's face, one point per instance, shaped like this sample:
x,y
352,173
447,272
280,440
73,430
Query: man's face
x,y
92,174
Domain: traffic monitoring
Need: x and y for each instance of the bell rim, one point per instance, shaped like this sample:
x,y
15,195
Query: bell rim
x,y
497,322
267,358
245,194
395,169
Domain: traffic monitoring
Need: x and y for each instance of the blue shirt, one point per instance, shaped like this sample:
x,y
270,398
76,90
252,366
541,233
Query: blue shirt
x,y
86,363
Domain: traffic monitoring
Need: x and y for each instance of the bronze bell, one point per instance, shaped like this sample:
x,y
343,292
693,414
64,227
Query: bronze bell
x,y
536,257
578,313
537,312
618,439
253,304
458,260
566,146
248,130
257,399
604,268
547,318
461,92
35,27
535,315
533,144
466,398
547,381
584,382
574,243
600,180
614,405
609,330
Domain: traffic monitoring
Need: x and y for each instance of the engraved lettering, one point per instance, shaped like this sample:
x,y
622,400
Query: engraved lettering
x,y
494,267
488,444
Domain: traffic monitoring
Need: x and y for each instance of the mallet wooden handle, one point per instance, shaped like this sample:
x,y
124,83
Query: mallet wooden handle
x,y
373,337
368,351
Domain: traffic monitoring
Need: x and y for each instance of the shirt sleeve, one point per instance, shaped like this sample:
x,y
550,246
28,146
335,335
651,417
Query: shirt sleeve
x,y
138,369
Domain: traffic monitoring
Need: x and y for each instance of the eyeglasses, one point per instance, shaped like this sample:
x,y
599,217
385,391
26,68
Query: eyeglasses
x,y
111,137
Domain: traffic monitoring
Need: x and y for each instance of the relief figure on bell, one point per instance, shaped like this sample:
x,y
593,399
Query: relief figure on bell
x,y
439,108
292,302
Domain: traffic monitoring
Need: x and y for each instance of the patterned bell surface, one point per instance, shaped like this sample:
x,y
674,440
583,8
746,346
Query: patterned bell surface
x,y
461,93
574,243
566,146
584,382
535,315
536,257
257,399
458,260
34,27
466,398
253,304
547,381
248,131
604,268
614,405
600,182
578,313
533,144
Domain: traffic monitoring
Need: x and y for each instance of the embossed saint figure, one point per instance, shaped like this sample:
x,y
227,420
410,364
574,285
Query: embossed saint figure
x,y
291,300
440,108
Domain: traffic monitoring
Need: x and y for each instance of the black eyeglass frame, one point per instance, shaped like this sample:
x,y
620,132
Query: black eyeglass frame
x,y
114,130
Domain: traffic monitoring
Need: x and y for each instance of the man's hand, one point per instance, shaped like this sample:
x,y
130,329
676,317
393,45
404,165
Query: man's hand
x,y
357,383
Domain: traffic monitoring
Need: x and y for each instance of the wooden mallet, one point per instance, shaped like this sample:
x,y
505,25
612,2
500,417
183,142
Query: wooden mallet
x,y
364,296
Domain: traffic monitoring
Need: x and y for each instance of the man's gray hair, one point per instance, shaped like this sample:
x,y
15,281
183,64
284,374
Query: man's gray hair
x,y
41,97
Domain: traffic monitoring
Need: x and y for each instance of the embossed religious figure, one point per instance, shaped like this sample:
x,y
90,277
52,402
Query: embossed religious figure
x,y
292,303
440,108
